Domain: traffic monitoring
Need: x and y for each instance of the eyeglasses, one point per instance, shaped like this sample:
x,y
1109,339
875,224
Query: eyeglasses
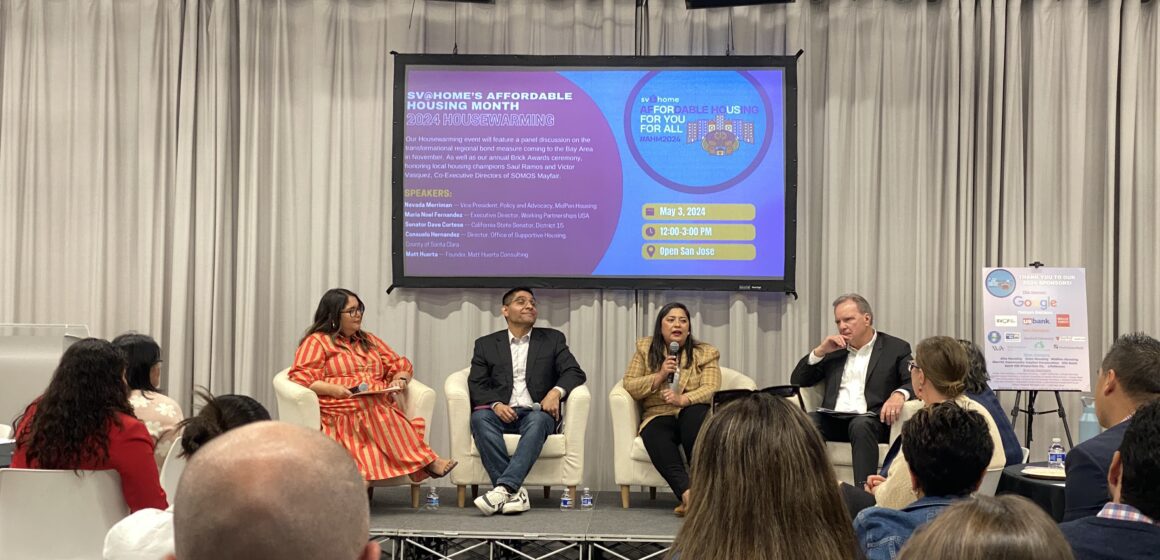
x,y
356,312
785,391
913,365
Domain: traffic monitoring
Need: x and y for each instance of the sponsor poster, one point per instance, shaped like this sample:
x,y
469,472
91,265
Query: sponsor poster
x,y
1035,329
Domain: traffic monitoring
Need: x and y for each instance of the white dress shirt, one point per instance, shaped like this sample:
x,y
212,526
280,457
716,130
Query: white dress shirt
x,y
519,346
852,390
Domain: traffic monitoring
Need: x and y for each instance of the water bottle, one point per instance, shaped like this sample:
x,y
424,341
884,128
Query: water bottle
x,y
1055,454
566,501
1089,424
432,500
586,500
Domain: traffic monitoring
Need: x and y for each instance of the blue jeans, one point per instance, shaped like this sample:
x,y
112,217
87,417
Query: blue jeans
x,y
534,427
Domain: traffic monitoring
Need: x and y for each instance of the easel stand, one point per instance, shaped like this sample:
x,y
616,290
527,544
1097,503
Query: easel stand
x,y
1032,413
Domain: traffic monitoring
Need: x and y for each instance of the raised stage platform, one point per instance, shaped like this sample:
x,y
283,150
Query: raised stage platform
x,y
643,531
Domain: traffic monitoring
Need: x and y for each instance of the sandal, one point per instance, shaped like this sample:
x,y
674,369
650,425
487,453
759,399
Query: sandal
x,y
451,464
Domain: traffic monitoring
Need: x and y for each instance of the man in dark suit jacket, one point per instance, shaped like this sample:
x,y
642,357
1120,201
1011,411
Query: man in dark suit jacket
x,y
865,371
1127,528
1129,377
518,378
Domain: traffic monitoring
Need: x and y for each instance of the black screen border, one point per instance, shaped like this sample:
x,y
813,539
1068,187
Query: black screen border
x,y
740,284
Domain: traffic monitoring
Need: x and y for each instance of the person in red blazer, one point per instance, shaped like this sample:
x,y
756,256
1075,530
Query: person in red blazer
x,y
83,421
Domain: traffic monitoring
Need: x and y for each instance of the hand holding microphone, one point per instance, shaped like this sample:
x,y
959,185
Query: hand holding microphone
x,y
675,376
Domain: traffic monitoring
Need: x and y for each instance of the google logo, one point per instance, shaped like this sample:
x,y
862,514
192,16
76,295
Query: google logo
x,y
1045,303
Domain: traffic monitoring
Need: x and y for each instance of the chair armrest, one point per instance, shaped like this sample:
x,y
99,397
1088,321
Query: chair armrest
x,y
418,401
625,413
575,430
296,404
458,413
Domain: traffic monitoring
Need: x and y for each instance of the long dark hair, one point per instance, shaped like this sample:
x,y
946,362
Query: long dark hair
x,y
659,350
976,380
142,353
328,316
218,416
72,417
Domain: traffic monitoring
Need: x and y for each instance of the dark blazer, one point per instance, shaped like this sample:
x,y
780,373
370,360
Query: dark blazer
x,y
1096,538
550,364
888,371
1011,447
1087,473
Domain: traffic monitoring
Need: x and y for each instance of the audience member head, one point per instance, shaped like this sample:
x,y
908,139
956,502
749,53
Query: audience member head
x,y
519,308
977,380
1129,377
940,365
1134,477
144,357
217,416
272,490
340,312
984,528
947,448
763,487
673,324
72,418
854,318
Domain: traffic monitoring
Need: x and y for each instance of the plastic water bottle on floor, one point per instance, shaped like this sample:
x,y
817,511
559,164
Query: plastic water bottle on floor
x,y
432,503
586,500
1055,454
566,501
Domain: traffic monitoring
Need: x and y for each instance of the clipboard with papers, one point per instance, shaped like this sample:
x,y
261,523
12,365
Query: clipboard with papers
x,y
844,413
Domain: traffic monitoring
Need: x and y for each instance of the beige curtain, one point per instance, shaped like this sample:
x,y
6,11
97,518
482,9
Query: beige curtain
x,y
203,170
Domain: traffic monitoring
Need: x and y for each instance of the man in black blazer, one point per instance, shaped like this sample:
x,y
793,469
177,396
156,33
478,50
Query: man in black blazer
x,y
518,378
1126,528
865,371
1129,377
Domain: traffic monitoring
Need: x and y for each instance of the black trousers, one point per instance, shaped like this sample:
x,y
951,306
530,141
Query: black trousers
x,y
864,434
664,438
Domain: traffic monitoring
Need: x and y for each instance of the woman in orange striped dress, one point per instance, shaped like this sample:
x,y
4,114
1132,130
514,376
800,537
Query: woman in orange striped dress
x,y
337,355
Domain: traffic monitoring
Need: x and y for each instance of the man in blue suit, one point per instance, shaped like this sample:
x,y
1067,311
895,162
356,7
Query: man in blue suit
x,y
1126,528
1129,377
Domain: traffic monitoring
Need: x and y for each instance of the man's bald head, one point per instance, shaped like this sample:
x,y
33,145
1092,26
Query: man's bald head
x,y
271,489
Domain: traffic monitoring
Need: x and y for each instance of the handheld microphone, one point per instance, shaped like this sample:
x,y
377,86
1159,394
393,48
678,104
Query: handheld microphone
x,y
675,384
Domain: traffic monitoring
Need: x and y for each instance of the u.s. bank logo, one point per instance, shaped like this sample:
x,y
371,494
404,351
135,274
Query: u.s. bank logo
x,y
1000,283
994,337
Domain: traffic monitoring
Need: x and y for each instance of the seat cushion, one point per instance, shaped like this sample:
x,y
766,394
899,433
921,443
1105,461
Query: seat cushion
x,y
639,453
840,454
553,448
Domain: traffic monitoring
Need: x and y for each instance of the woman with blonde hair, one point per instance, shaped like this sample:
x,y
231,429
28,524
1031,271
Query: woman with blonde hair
x,y
763,487
937,373
984,528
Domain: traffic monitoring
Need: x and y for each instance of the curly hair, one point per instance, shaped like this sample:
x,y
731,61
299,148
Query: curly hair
x,y
70,422
947,448
218,416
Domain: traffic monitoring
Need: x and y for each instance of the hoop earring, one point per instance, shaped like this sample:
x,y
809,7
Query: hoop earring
x,y
333,325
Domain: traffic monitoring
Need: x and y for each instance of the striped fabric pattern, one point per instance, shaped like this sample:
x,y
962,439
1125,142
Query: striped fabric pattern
x,y
374,429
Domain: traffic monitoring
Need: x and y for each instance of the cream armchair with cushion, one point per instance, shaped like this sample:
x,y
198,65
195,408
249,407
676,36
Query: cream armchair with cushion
x,y
839,451
299,405
631,462
561,461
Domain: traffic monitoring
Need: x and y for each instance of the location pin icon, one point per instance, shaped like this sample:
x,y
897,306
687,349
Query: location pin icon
x,y
650,250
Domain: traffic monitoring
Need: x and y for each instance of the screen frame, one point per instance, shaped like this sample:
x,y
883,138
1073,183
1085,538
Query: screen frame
x,y
786,284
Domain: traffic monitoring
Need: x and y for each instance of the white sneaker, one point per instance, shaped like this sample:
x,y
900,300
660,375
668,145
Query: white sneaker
x,y
516,503
493,500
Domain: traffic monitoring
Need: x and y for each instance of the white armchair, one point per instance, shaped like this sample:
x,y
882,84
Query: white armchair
x,y
561,461
839,451
631,461
299,405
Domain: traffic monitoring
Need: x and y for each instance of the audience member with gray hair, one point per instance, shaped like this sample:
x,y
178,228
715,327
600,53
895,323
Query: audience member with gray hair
x,y
272,490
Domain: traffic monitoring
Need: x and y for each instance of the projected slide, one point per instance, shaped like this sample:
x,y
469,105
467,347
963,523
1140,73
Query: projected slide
x,y
592,172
